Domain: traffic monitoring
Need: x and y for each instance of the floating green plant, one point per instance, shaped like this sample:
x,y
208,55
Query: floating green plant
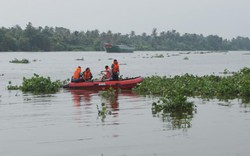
x,y
232,86
174,109
226,72
13,87
39,84
173,92
108,94
24,61
172,103
103,111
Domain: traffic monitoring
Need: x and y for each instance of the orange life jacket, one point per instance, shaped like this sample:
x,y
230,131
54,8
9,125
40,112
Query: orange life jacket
x,y
115,68
77,73
87,75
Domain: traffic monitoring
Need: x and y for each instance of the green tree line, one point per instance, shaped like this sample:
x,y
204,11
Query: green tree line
x,y
61,39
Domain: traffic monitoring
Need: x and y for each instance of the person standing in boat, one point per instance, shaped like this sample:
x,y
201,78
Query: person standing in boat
x,y
77,75
87,75
115,70
108,73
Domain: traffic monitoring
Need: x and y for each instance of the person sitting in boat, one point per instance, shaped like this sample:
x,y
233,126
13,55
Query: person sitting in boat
x,y
77,75
107,73
87,75
115,70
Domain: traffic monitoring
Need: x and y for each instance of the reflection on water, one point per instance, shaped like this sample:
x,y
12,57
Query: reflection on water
x,y
176,120
245,101
81,96
108,105
37,99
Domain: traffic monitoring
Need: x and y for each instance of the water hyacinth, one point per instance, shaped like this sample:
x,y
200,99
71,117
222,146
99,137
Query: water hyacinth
x,y
174,109
23,61
177,102
173,92
103,111
232,86
110,93
38,84
13,87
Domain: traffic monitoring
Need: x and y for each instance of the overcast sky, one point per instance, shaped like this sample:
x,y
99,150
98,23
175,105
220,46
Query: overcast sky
x,y
226,18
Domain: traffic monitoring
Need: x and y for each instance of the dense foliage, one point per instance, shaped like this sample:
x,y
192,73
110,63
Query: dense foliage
x,y
236,85
38,84
61,39
173,105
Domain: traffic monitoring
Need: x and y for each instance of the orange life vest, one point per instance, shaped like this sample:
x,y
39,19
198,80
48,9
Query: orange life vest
x,y
115,68
77,73
87,75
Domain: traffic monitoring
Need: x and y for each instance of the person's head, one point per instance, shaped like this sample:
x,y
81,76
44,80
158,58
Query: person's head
x,y
78,68
87,69
106,67
115,61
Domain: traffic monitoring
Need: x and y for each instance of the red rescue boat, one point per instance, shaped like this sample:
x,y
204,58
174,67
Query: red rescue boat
x,y
128,83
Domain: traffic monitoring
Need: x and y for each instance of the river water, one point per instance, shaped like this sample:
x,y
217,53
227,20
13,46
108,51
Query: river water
x,y
67,123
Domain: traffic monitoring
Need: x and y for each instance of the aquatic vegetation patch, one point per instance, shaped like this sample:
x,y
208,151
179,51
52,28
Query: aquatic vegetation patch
x,y
23,61
232,86
103,112
109,94
110,97
174,109
173,92
13,87
39,84
226,72
172,103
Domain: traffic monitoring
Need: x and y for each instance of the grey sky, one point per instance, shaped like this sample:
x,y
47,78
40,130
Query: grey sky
x,y
226,18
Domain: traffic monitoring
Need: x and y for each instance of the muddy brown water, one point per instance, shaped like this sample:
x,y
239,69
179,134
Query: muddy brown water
x,y
67,123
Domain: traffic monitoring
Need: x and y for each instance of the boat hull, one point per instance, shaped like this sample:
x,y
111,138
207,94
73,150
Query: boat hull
x,y
125,84
118,48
